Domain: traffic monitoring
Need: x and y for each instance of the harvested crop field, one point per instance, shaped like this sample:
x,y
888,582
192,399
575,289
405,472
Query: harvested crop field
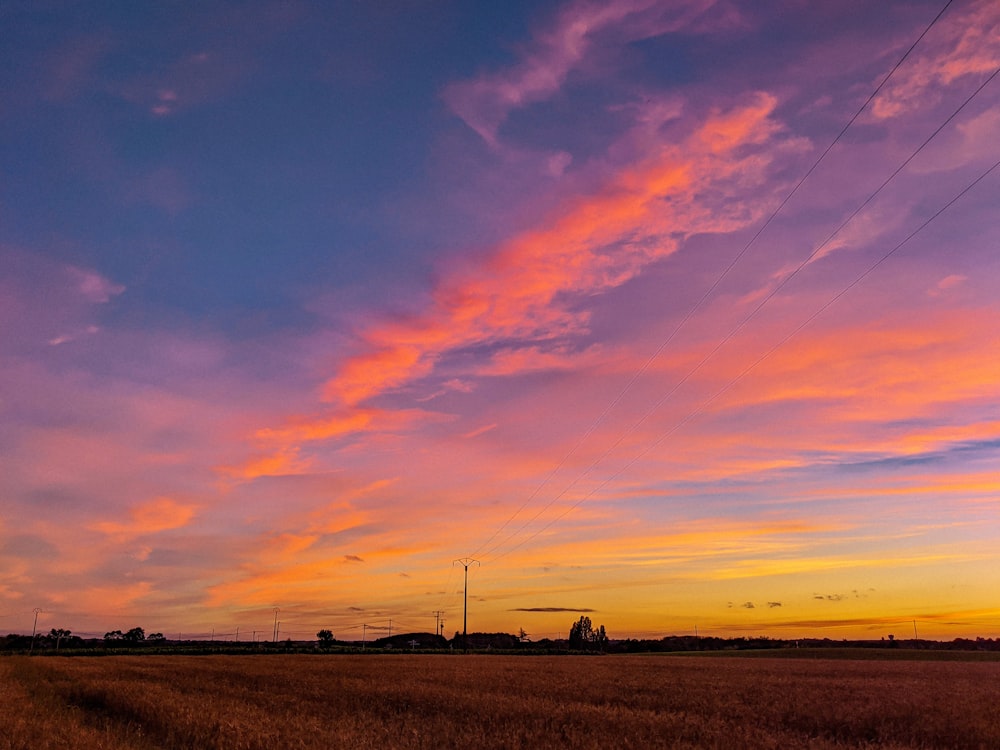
x,y
428,701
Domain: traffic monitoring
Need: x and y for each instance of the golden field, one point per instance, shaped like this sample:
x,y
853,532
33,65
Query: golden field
x,y
476,701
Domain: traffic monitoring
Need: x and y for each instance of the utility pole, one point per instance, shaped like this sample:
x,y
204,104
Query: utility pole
x,y
275,637
364,632
437,622
914,630
390,628
465,562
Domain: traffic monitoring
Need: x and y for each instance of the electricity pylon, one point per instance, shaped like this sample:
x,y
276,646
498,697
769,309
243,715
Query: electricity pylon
x,y
465,562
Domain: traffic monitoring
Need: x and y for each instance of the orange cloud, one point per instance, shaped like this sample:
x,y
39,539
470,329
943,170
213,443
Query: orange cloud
x,y
386,367
705,539
534,359
284,456
324,428
302,576
521,293
281,463
480,431
342,515
281,548
816,564
592,245
858,378
154,516
117,598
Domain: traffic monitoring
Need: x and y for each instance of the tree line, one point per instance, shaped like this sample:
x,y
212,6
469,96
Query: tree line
x,y
583,636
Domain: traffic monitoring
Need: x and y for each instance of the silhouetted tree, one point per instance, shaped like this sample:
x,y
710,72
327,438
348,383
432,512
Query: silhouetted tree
x,y
158,637
59,634
582,635
135,635
113,635
600,638
325,637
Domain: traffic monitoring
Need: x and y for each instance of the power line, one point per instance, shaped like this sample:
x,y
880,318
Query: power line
x,y
767,298
446,591
690,313
756,362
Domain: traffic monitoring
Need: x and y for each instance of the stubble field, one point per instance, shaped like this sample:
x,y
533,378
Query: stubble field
x,y
414,701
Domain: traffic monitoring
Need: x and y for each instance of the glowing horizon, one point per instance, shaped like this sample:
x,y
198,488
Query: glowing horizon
x,y
296,314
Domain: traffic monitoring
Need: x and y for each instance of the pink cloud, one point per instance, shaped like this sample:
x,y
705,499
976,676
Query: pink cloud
x,y
93,286
965,42
536,359
595,243
556,51
521,297
190,81
150,517
46,302
479,431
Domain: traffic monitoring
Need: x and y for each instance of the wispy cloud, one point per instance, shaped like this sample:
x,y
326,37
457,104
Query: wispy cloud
x,y
967,43
150,517
561,48
524,291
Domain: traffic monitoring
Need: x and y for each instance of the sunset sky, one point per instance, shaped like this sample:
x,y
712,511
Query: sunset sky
x,y
301,301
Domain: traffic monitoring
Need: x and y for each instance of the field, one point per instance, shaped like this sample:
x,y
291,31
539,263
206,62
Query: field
x,y
441,701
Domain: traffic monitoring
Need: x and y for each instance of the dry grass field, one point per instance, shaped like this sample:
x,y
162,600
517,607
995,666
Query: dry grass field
x,y
414,701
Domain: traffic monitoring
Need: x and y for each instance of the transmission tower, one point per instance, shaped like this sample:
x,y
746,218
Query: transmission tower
x,y
465,562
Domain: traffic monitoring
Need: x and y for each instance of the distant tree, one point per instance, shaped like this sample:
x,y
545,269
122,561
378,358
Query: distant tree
x,y
522,636
135,635
325,637
58,634
582,635
157,637
600,638
113,635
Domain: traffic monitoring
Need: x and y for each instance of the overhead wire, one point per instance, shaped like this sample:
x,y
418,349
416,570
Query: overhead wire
x,y
697,306
753,313
833,300
761,304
